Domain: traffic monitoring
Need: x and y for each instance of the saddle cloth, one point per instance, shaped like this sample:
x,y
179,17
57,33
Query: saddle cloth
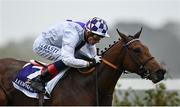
x,y
29,71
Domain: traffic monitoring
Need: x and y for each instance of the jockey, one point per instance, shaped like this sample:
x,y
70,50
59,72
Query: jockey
x,y
62,43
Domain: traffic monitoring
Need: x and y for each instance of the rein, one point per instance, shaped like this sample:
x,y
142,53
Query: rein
x,y
109,64
104,61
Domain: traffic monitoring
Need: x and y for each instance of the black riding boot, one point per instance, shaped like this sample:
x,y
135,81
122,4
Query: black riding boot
x,y
38,83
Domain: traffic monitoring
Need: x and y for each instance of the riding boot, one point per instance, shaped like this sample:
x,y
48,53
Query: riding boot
x,y
38,83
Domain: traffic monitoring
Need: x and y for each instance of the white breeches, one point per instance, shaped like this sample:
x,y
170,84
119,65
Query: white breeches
x,y
46,50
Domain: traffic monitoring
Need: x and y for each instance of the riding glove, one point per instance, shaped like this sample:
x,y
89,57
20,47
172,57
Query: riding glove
x,y
96,60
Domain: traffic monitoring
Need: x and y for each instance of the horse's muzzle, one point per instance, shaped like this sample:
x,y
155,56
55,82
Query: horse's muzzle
x,y
158,75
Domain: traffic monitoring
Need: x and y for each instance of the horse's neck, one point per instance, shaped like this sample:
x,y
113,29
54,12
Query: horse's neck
x,y
109,76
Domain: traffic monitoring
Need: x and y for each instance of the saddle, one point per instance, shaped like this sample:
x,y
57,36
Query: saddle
x,y
28,72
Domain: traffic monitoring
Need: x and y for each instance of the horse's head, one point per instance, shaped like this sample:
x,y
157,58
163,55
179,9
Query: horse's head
x,y
138,59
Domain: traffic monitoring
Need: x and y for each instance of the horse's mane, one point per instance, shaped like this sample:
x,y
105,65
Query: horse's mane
x,y
110,46
115,42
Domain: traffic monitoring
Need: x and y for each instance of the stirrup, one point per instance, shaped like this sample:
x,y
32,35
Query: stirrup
x,y
38,85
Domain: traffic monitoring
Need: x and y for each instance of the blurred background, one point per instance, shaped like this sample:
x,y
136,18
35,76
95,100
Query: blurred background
x,y
21,21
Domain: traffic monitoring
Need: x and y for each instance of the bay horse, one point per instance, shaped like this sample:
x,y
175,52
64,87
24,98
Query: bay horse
x,y
94,88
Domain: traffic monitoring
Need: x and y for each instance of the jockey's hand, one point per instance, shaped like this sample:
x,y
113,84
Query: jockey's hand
x,y
96,60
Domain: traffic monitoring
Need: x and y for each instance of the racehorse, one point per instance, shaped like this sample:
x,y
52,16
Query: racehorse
x,y
93,88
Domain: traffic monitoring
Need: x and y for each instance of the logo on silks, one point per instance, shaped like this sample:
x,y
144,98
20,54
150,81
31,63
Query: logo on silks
x,y
22,76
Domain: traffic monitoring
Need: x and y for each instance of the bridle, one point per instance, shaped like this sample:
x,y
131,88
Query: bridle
x,y
142,71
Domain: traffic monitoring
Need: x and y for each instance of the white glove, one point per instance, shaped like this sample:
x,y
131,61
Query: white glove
x,y
98,59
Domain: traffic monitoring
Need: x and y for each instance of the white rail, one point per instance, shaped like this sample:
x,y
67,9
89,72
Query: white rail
x,y
142,84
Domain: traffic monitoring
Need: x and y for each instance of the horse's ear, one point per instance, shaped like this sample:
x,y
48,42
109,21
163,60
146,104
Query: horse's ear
x,y
123,36
137,35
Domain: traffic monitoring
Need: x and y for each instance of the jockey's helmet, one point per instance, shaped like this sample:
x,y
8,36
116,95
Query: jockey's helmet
x,y
97,26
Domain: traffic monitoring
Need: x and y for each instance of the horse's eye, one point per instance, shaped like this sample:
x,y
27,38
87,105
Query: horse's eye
x,y
137,50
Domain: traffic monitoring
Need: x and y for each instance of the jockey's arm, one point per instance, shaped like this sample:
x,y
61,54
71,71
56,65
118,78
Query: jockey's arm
x,y
69,42
93,50
69,59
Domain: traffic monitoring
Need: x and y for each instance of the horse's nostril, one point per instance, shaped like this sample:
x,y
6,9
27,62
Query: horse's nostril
x,y
160,74
162,71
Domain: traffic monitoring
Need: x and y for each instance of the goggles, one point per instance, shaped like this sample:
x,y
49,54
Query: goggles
x,y
97,37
